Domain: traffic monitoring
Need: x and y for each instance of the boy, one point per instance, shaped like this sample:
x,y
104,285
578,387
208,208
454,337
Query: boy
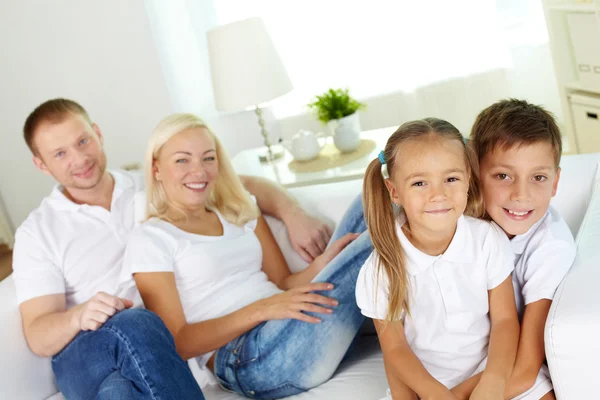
x,y
519,148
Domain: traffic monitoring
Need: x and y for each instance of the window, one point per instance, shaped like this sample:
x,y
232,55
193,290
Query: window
x,y
380,46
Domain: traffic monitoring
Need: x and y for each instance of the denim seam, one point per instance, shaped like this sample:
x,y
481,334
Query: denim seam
x,y
135,359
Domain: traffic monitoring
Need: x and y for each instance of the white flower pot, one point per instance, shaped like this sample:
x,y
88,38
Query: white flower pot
x,y
346,133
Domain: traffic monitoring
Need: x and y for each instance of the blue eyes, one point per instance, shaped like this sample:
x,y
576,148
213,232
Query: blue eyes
x,y
84,141
185,161
59,154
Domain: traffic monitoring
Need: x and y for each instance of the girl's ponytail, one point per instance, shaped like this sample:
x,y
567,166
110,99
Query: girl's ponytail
x,y
381,222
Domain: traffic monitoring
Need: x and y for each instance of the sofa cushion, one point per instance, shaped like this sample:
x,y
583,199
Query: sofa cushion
x,y
360,376
573,324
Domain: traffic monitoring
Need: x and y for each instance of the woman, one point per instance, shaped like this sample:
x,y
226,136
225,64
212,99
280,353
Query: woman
x,y
206,262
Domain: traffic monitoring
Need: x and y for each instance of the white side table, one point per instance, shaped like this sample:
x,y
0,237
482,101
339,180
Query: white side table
x,y
246,163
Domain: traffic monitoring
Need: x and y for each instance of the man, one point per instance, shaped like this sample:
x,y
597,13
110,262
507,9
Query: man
x,y
68,258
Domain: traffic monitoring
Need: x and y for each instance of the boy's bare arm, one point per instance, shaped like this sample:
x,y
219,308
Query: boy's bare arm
x,y
504,337
531,353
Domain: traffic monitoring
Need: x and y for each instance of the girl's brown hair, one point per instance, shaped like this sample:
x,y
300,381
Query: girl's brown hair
x,y
379,210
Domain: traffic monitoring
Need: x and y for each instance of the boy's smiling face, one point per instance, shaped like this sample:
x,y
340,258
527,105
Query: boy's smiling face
x,y
518,184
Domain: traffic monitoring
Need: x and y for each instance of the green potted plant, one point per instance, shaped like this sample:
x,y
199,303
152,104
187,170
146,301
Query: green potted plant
x,y
338,109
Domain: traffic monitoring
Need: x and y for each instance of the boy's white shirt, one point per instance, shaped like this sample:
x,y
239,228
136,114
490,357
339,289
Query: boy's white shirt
x,y
543,256
77,250
449,326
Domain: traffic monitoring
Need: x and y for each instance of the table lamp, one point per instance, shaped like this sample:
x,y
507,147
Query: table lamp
x,y
247,71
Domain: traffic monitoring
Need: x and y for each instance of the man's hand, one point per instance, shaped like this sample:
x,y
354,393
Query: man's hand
x,y
309,236
92,314
335,249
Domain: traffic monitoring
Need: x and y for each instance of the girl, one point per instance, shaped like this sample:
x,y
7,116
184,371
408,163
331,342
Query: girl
x,y
206,262
438,284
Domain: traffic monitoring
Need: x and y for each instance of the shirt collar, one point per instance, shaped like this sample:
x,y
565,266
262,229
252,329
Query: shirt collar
x,y
59,201
519,242
457,251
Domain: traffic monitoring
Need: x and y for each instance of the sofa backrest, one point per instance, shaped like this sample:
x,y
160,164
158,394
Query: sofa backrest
x,y
575,187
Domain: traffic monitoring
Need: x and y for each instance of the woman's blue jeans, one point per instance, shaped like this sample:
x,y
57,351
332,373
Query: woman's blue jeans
x,y
132,356
280,358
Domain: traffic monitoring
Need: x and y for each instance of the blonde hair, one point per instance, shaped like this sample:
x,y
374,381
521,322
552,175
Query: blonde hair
x,y
379,210
228,197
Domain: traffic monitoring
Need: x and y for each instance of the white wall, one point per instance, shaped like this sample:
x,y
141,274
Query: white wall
x,y
179,30
99,53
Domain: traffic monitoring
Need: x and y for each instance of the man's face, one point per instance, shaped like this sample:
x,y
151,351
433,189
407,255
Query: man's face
x,y
518,184
71,152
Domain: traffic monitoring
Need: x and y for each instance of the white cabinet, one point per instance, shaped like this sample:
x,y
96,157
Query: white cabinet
x,y
574,31
585,111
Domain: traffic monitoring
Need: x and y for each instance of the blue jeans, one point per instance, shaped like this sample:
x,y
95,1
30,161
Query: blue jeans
x,y
280,358
132,356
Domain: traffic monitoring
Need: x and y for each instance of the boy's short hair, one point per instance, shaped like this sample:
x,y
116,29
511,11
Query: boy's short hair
x,y
53,111
513,122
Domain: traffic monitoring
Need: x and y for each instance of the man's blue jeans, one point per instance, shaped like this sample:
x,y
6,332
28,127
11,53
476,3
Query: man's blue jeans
x,y
280,358
132,356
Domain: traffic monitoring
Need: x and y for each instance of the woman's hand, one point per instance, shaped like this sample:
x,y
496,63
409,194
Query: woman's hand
x,y
292,303
333,250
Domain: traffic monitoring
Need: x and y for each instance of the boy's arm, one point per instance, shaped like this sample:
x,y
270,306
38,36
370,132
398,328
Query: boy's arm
x,y
504,338
531,354
405,372
309,236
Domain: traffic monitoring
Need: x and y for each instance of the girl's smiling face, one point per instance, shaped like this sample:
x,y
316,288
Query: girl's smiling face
x,y
430,181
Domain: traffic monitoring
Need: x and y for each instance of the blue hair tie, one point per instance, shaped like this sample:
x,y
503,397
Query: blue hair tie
x,y
381,157
464,140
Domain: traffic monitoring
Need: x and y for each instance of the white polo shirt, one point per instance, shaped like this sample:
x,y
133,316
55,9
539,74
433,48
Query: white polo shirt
x,y
76,250
449,326
543,256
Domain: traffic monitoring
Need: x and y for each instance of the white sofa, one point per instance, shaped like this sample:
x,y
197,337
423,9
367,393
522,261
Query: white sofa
x,y
572,331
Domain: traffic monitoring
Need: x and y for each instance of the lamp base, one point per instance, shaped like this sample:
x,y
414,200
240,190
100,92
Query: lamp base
x,y
276,154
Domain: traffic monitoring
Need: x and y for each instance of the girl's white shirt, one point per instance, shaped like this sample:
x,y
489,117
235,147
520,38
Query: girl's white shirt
x,y
449,326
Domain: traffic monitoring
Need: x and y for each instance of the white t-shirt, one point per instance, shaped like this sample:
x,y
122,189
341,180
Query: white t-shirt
x,y
76,250
215,275
543,256
449,326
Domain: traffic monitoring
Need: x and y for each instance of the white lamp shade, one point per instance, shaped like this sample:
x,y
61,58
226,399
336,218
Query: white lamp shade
x,y
246,68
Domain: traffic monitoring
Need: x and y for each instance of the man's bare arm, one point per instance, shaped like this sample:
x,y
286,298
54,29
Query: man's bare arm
x,y
49,326
309,236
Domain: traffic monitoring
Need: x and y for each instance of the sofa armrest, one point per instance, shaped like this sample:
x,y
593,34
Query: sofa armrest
x,y
573,324
23,375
